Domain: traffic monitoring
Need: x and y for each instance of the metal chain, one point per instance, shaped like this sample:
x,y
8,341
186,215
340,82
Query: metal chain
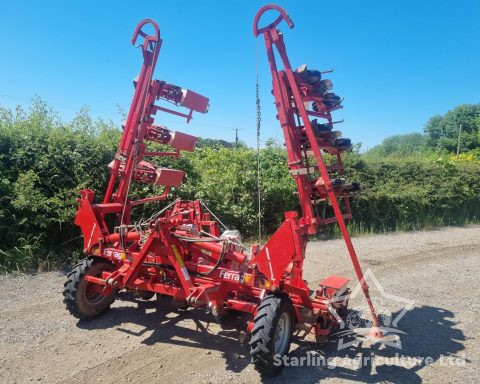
x,y
259,122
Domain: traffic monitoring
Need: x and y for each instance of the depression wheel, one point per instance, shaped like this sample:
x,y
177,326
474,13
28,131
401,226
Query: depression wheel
x,y
271,335
83,299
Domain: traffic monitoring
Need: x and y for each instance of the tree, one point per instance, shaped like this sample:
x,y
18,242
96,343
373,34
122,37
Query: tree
x,y
400,144
213,143
442,131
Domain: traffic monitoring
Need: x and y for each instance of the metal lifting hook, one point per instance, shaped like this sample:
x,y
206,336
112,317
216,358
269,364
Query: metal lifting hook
x,y
283,16
150,42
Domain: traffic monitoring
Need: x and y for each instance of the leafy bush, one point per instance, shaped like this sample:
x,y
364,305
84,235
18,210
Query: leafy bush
x,y
228,185
414,192
43,165
45,162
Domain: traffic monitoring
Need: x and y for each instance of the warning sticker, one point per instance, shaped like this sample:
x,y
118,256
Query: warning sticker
x,y
180,262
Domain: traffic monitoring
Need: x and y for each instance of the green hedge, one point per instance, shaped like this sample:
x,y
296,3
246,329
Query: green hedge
x,y
45,162
414,192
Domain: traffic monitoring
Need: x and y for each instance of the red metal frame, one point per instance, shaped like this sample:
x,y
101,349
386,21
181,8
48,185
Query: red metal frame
x,y
180,252
290,100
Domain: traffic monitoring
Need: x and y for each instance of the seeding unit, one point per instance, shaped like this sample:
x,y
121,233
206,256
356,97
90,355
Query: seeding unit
x,y
181,252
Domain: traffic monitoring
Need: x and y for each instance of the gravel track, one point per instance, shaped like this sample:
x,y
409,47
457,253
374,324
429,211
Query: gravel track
x,y
139,342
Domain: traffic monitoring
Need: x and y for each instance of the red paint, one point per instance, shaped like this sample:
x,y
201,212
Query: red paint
x,y
170,254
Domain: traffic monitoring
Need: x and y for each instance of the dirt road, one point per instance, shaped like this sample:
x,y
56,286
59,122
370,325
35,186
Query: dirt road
x,y
147,342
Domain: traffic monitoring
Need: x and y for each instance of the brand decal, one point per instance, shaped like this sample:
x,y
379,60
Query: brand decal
x,y
234,276
110,252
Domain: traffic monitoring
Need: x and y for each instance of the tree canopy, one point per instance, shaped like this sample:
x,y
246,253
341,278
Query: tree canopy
x,y
442,131
440,134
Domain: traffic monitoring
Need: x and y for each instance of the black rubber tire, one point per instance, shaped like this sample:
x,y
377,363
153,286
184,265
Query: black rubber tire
x,y
75,290
262,343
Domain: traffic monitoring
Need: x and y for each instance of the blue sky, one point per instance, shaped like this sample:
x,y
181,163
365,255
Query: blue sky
x,y
397,63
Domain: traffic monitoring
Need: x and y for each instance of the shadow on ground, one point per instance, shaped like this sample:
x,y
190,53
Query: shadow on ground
x,y
429,332
170,325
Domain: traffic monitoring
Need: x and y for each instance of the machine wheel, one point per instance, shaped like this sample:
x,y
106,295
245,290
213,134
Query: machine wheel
x,y
85,300
271,335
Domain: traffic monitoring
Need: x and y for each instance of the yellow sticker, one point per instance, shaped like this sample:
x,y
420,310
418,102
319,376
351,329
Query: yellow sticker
x,y
177,255
180,263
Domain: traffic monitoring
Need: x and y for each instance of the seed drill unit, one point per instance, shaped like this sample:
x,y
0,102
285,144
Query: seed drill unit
x,y
180,252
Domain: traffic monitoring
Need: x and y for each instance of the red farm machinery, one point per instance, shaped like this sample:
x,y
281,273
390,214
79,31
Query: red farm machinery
x,y
181,252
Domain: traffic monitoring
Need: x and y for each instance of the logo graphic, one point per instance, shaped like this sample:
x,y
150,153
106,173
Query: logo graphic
x,y
112,252
356,326
234,276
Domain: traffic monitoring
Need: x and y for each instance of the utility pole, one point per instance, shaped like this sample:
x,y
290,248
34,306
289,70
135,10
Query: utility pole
x,y
236,136
458,141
